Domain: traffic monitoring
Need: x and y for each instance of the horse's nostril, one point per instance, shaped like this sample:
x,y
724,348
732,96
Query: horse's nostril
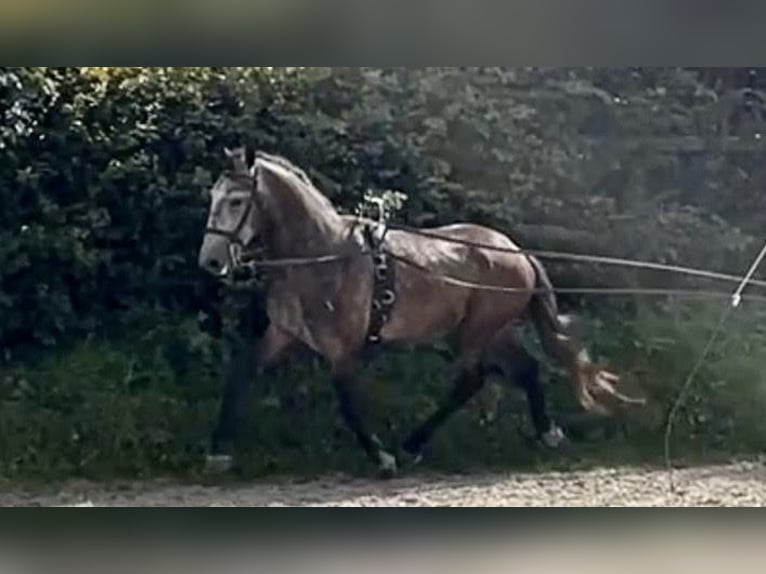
x,y
214,264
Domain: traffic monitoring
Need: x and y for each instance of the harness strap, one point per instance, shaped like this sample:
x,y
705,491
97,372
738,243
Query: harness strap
x,y
383,290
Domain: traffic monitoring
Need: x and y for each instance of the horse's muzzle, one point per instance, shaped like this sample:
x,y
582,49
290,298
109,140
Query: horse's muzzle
x,y
214,256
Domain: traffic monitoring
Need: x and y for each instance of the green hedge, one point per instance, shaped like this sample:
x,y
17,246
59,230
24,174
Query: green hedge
x,y
101,170
102,174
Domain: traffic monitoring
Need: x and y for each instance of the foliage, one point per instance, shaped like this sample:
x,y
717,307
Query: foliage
x,y
141,405
101,178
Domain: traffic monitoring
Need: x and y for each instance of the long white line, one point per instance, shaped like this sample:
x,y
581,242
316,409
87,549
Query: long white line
x,y
736,299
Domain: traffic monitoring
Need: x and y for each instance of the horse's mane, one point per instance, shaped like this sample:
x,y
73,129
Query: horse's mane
x,y
290,167
285,163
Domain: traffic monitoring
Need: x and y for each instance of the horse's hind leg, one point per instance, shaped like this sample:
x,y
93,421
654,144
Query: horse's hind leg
x,y
524,370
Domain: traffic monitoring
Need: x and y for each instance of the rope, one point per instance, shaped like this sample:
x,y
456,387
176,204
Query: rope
x,y
301,261
582,258
735,301
570,290
614,291
543,254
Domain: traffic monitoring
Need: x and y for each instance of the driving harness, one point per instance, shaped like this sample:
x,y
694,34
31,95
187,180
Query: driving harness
x,y
384,280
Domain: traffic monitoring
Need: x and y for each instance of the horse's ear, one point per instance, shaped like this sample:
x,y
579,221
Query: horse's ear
x,y
238,157
250,157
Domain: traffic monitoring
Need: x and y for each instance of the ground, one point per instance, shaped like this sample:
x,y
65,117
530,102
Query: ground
x,y
740,484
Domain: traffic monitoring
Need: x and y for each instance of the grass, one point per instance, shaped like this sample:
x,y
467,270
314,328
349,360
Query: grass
x,y
142,405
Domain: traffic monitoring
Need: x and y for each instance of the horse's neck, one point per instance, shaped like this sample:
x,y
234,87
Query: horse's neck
x,y
301,226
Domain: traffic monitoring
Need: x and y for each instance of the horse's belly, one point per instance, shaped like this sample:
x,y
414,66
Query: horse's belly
x,y
422,317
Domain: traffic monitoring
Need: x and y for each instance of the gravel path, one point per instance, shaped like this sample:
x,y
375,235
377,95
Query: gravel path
x,y
741,484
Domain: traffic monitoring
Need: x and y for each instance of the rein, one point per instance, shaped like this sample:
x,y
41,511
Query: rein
x,y
247,260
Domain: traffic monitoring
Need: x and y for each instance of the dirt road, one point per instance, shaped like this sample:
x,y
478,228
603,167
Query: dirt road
x,y
741,484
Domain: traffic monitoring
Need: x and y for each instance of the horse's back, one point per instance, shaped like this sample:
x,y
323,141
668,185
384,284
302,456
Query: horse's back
x,y
473,254
489,247
474,251
475,234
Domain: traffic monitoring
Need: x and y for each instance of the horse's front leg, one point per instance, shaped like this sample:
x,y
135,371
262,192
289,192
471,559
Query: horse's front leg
x,y
469,382
247,361
346,382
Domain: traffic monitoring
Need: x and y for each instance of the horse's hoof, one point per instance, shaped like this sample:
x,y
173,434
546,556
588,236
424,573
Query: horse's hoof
x,y
412,460
219,463
387,467
554,437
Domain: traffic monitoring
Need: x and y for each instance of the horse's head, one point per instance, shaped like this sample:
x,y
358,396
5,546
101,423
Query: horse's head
x,y
272,200
233,219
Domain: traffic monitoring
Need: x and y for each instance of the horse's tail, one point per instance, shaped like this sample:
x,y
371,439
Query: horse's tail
x,y
553,330
545,309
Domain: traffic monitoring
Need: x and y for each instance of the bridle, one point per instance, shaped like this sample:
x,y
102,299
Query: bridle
x,y
235,244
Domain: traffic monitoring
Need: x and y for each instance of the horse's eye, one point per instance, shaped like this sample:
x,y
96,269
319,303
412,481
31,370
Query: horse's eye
x,y
235,203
